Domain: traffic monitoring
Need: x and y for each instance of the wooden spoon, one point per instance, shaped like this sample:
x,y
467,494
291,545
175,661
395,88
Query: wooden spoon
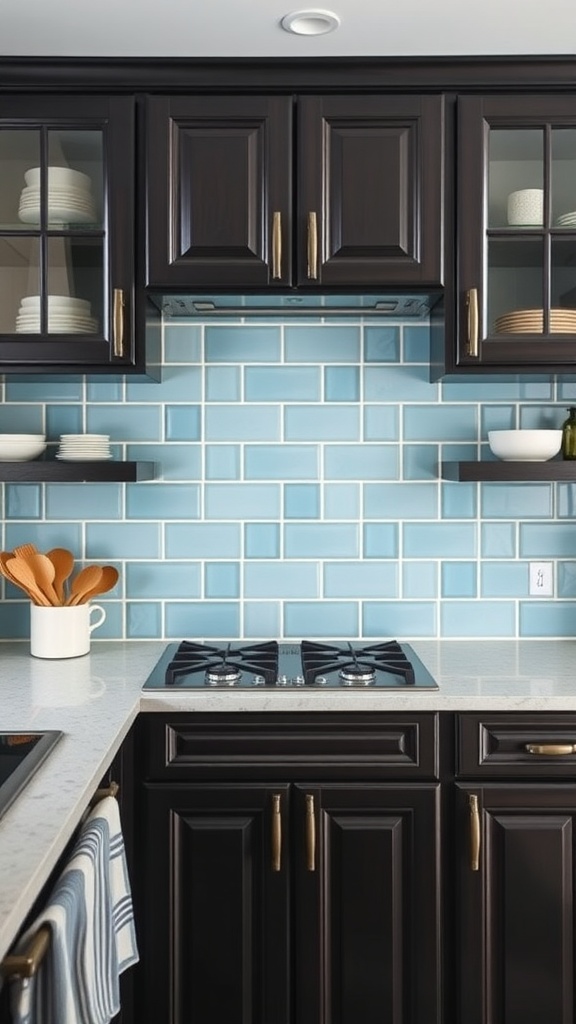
x,y
83,583
63,562
44,572
108,580
22,575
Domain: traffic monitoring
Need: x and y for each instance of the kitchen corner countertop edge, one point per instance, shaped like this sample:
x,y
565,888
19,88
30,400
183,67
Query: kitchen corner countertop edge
x,y
94,700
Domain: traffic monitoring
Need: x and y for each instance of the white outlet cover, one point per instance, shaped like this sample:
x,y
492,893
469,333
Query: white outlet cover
x,y
541,579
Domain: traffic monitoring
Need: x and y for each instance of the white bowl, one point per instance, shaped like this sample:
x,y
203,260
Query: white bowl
x,y
66,302
525,445
60,177
22,437
21,450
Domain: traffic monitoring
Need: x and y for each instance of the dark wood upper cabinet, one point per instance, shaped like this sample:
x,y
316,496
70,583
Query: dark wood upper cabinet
x,y
67,233
355,202
369,174
516,233
219,190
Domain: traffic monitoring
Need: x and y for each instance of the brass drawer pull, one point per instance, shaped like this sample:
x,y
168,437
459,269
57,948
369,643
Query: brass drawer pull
x,y
312,246
277,246
310,833
551,749
118,317
276,832
474,832
472,309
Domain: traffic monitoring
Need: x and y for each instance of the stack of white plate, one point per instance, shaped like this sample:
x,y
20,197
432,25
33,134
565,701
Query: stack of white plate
x,y
70,199
66,315
84,447
567,220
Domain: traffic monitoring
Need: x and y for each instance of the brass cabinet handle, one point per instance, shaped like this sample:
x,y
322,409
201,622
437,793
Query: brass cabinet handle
x,y
25,965
551,749
472,307
276,832
312,246
118,328
277,245
310,833
474,832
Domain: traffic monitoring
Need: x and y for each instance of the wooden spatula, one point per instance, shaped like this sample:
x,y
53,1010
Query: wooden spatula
x,y
22,574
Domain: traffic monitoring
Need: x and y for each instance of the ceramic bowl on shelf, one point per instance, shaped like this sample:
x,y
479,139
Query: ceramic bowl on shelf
x,y
21,447
525,445
59,177
526,207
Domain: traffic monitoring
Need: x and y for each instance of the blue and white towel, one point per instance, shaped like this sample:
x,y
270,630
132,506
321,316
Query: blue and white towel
x,y
93,937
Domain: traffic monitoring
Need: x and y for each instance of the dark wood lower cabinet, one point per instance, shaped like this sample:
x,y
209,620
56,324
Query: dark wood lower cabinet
x,y
366,904
320,869
268,904
215,937
516,912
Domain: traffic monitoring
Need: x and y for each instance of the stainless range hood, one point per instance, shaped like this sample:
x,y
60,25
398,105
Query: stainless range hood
x,y
202,307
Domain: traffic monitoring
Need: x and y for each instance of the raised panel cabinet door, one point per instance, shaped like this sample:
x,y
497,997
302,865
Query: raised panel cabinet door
x,y
367,904
214,905
516,232
370,181
515,903
219,191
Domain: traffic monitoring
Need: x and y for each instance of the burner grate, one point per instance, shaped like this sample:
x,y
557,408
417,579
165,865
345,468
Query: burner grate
x,y
319,659
191,658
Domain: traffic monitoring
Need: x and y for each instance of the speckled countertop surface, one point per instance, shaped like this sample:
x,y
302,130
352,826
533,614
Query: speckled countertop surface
x,y
94,701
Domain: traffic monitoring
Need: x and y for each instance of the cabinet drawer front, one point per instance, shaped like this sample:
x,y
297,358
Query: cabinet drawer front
x,y
531,745
294,745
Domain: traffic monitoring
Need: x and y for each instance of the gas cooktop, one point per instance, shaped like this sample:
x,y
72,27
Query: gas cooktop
x,y
346,665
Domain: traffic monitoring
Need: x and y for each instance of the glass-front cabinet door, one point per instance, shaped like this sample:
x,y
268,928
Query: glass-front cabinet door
x,y
66,232
517,232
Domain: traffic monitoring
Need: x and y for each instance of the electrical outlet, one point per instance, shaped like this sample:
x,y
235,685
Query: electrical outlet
x,y
541,579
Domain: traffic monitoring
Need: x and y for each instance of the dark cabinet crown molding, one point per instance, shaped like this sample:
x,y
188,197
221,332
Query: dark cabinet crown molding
x,y
343,74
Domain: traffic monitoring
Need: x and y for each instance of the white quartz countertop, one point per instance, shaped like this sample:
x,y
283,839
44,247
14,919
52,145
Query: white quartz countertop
x,y
94,700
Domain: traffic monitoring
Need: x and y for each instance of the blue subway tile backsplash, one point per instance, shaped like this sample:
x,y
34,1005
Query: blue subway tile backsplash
x,y
298,491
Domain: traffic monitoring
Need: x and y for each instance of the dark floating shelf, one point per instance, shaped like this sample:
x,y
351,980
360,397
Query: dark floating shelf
x,y
509,472
92,471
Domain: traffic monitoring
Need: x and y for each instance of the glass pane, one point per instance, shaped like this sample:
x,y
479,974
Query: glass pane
x,y
515,276
19,150
515,177
19,277
564,178
75,281
75,178
563,298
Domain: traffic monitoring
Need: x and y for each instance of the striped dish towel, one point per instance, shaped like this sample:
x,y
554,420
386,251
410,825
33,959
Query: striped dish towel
x,y
93,938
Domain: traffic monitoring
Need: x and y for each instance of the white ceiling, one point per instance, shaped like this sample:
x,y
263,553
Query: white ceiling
x,y
251,28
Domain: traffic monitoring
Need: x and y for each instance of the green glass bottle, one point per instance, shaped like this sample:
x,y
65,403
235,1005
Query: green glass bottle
x,y
569,435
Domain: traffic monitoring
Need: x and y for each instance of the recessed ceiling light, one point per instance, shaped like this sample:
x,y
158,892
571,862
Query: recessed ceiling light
x,y
310,23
